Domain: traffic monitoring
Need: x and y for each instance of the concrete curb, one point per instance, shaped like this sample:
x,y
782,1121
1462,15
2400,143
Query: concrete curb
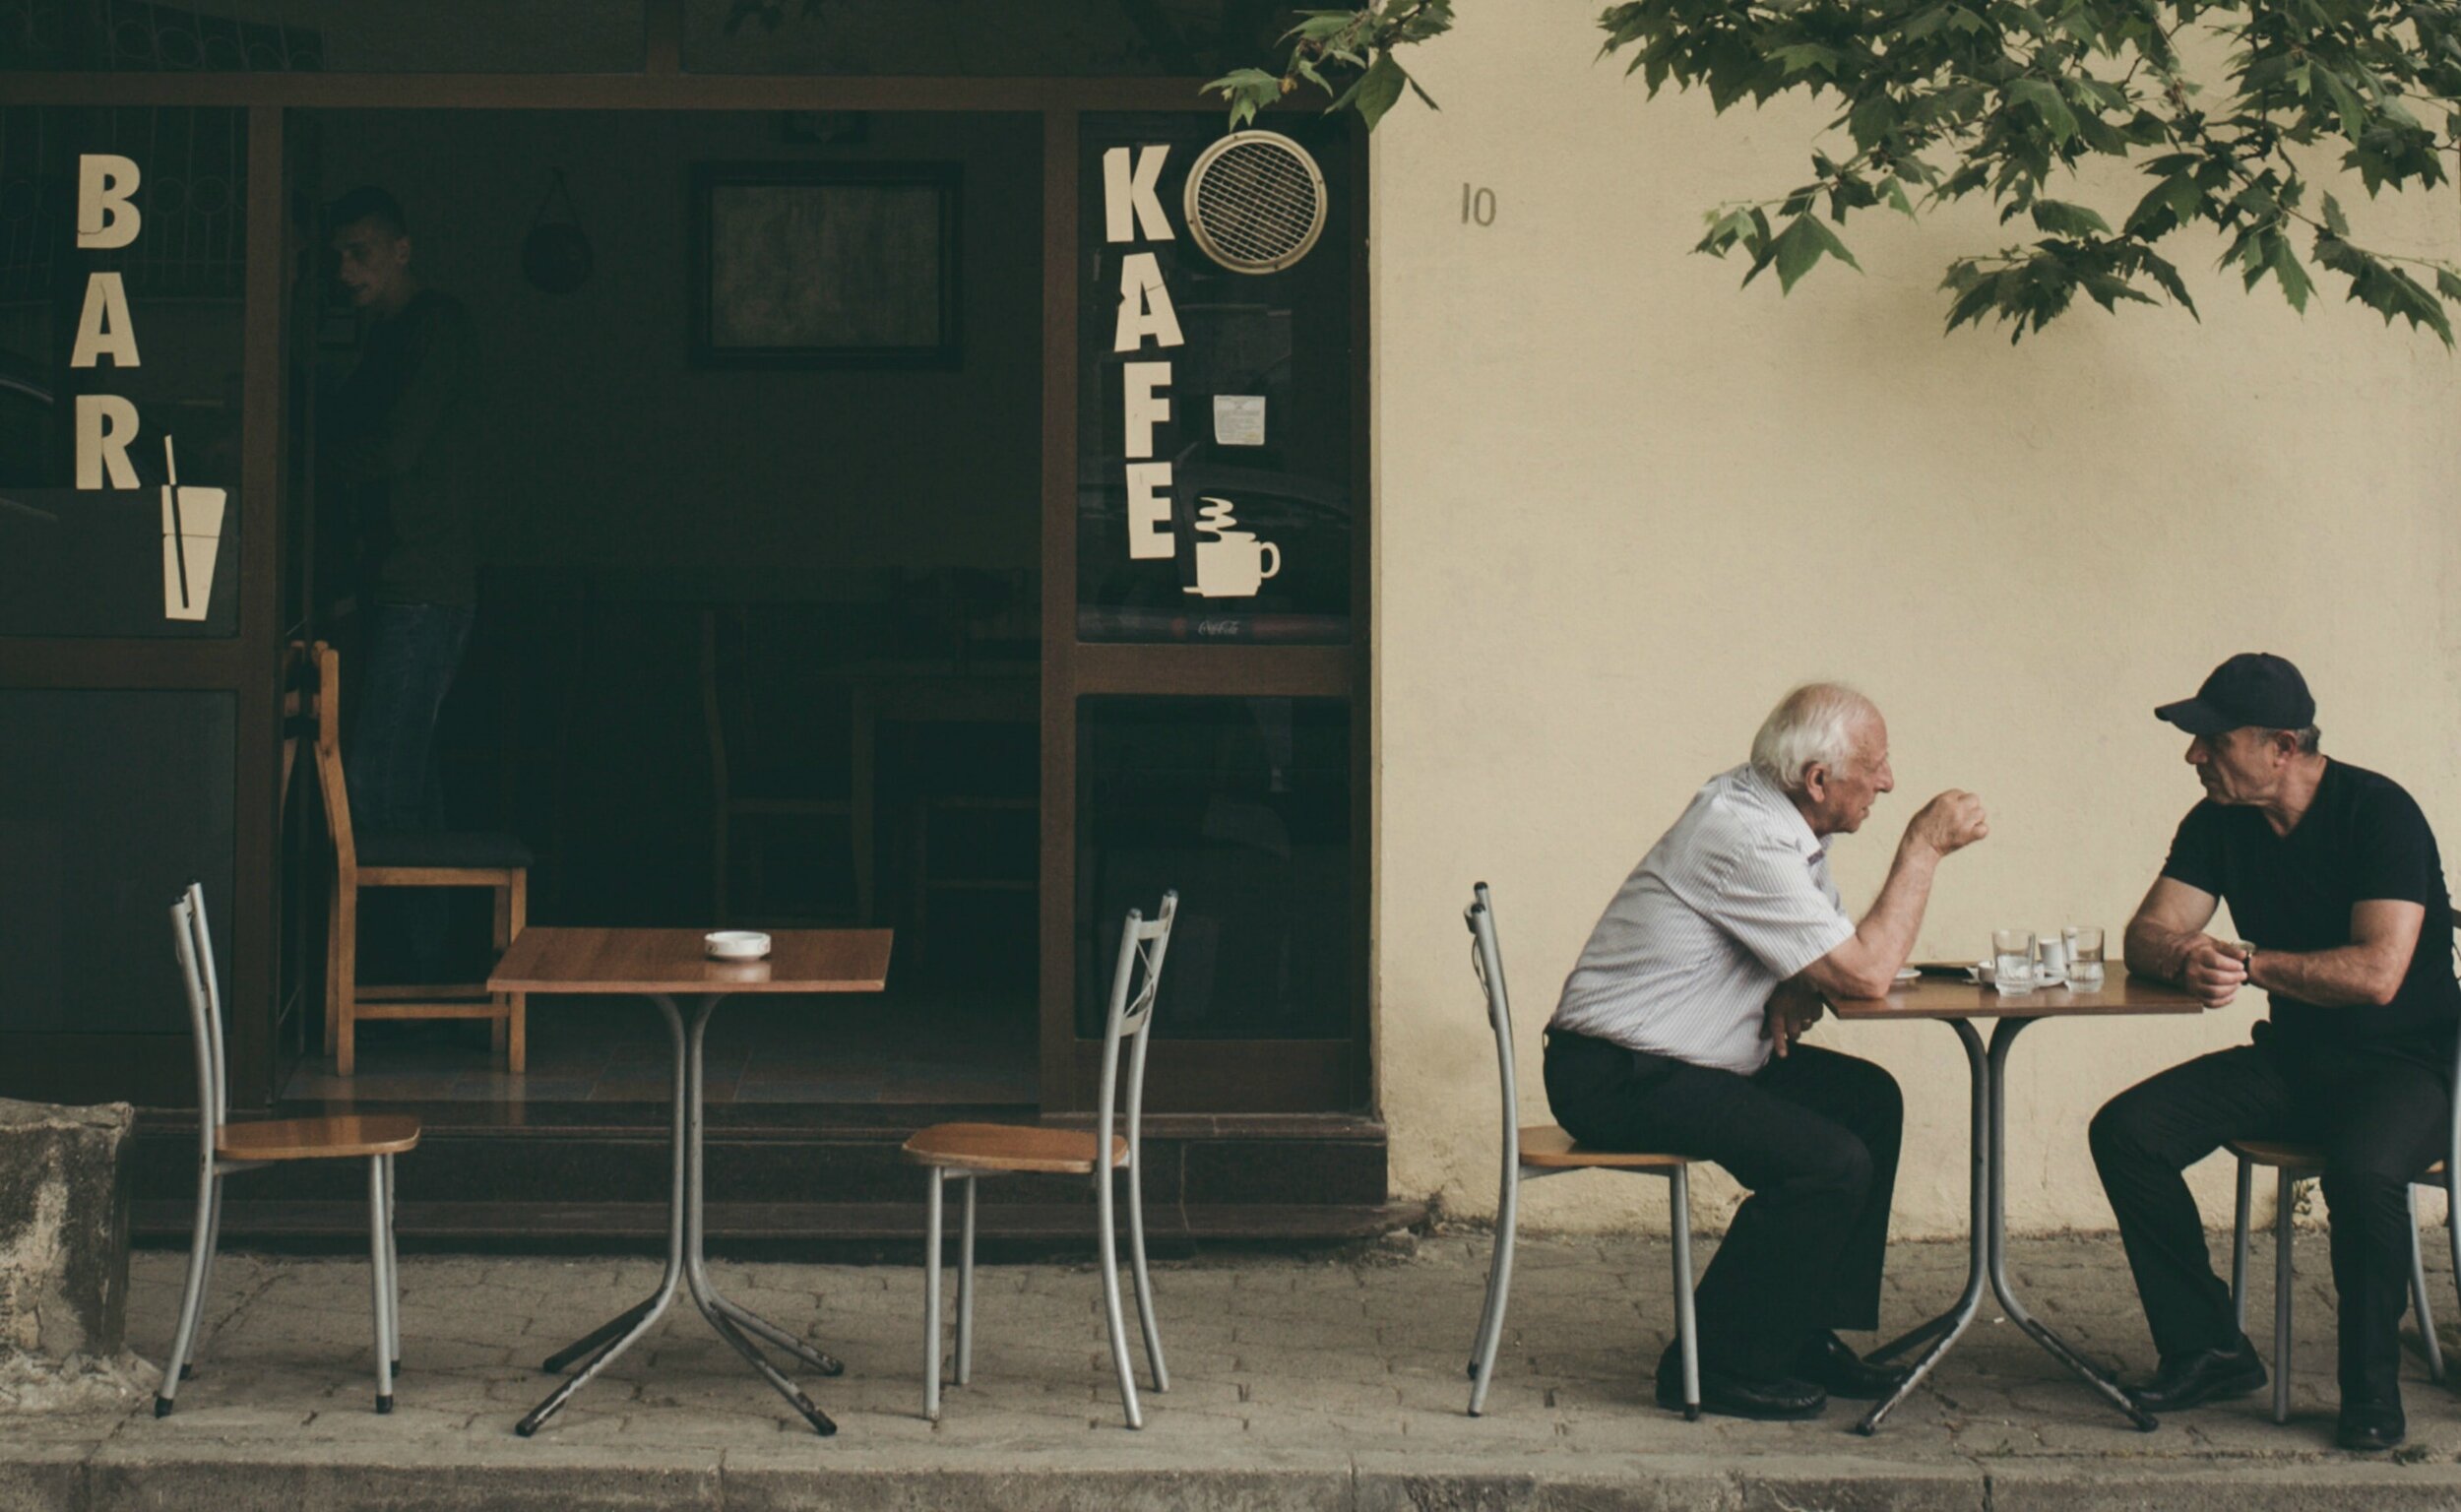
x,y
735,1481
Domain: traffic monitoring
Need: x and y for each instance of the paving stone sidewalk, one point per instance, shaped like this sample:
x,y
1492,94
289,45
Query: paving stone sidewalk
x,y
1295,1381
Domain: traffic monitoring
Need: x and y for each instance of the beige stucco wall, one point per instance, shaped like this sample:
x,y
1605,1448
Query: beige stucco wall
x,y
1623,505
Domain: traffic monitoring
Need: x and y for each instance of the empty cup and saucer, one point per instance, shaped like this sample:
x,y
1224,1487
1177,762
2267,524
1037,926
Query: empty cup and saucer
x,y
736,944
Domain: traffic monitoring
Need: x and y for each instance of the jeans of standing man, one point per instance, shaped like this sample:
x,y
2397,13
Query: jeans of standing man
x,y
1813,1136
2380,1110
411,652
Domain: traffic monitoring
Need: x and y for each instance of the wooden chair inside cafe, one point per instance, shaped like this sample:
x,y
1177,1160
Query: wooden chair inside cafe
x,y
499,862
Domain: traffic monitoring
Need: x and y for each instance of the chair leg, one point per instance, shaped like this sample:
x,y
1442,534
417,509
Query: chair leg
x,y
333,964
966,1288
499,935
932,1179
345,986
377,1249
1498,1291
1138,1271
517,1004
2238,1246
1108,1243
192,1296
2281,1295
2427,1345
212,1248
2452,1220
1687,1339
393,1258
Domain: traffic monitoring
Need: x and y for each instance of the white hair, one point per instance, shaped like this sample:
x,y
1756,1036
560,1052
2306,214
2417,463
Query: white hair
x,y
1813,726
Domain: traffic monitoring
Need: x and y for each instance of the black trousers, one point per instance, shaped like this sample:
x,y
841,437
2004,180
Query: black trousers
x,y
2380,1110
1813,1136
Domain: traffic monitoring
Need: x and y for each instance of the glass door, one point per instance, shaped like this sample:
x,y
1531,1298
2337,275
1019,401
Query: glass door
x,y
1206,728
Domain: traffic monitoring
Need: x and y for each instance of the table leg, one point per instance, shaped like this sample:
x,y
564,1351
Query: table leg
x,y
727,1319
1944,1330
2057,1347
614,1336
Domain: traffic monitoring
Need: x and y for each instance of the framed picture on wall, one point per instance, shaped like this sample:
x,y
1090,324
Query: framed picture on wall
x,y
825,265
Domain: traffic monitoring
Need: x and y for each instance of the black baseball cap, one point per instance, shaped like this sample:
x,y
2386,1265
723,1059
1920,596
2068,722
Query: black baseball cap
x,y
2254,687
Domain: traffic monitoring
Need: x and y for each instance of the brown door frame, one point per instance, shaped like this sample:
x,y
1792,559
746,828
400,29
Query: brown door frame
x,y
1251,1075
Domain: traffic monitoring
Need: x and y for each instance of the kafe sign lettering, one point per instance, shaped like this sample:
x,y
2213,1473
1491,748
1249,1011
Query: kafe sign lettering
x,y
1231,563
106,424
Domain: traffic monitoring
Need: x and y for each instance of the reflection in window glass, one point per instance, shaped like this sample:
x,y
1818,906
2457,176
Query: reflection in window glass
x,y
110,805
982,38
1243,806
162,315
536,37
1215,454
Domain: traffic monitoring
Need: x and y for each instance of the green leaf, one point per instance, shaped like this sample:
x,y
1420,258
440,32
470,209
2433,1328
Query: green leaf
x,y
2354,115
1798,248
2061,218
2334,220
2047,103
2296,284
1378,89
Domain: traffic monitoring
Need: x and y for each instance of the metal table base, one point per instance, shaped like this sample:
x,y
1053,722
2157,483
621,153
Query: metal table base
x,y
1987,1242
686,1262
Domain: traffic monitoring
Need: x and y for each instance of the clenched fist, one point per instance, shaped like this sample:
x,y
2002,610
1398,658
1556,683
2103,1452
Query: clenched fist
x,y
1949,823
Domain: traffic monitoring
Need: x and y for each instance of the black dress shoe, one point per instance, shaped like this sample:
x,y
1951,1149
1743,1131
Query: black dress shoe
x,y
1784,1400
1829,1362
2193,1380
2369,1426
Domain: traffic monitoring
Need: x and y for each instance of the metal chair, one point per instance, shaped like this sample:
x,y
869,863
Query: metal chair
x,y
225,1148
962,1152
2291,1162
1543,1149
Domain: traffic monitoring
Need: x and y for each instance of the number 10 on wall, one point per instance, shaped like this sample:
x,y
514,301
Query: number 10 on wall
x,y
1477,206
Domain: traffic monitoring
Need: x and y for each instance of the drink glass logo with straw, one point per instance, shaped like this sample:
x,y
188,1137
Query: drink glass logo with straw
x,y
192,537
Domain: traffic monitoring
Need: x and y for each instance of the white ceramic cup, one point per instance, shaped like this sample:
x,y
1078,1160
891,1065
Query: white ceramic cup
x,y
2054,962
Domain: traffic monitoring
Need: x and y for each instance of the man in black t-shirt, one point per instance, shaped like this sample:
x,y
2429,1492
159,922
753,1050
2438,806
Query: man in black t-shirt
x,y
2335,883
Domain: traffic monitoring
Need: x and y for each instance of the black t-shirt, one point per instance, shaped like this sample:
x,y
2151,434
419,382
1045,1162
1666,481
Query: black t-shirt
x,y
2364,838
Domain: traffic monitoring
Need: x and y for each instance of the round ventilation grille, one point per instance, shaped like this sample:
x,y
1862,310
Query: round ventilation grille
x,y
1255,202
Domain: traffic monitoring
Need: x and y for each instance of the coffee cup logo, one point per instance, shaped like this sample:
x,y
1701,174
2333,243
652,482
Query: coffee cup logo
x,y
1234,563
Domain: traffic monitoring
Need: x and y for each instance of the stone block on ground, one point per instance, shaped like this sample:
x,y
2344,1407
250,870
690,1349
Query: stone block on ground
x,y
64,1256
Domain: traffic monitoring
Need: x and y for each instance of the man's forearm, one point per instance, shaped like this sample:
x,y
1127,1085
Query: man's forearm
x,y
2158,952
1887,931
2346,976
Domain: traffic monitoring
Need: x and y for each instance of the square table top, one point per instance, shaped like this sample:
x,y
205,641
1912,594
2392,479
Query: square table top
x,y
1940,997
547,959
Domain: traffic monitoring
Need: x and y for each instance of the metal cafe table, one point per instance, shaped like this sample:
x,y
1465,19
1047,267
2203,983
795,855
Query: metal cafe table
x,y
1958,1004
662,965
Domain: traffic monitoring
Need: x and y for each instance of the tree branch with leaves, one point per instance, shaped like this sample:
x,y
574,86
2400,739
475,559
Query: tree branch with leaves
x,y
1935,102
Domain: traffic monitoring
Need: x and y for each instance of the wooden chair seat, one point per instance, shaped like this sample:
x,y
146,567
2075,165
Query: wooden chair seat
x,y
1545,1147
357,1135
1011,1146
2297,1157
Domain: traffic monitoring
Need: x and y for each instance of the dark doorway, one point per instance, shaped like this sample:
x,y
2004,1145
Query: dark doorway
x,y
758,638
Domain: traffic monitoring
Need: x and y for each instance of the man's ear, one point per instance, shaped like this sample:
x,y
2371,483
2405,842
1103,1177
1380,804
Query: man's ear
x,y
1816,781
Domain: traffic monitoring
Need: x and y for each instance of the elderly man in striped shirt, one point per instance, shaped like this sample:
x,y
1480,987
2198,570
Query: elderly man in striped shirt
x,y
1679,1031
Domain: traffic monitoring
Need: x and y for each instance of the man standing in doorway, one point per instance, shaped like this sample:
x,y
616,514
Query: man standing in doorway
x,y
1677,1030
407,414
2335,882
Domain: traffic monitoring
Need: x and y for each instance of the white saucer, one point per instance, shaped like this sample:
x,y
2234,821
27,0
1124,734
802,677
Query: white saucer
x,y
1908,973
736,944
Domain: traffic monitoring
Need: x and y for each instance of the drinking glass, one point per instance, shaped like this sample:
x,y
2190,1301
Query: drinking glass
x,y
2084,957
2012,959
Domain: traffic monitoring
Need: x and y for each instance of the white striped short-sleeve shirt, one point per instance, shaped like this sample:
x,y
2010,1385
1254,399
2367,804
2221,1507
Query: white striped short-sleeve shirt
x,y
1733,901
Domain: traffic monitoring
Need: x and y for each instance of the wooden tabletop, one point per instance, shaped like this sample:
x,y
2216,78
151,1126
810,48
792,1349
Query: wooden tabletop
x,y
1939,997
553,960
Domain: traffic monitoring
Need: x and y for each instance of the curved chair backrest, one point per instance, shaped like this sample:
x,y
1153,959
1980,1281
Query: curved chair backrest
x,y
193,943
1486,957
1138,977
2452,1148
